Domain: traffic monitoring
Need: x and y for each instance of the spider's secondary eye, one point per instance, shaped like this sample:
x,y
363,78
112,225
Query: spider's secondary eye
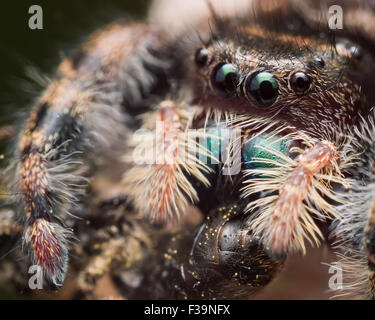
x,y
355,52
350,50
225,77
201,57
320,62
300,82
264,88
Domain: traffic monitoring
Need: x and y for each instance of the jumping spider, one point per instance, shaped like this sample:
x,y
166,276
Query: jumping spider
x,y
272,86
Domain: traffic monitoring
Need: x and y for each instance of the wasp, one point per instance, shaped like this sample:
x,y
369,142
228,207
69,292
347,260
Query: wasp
x,y
223,150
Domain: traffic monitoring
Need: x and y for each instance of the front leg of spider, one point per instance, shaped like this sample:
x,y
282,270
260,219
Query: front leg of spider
x,y
280,187
76,118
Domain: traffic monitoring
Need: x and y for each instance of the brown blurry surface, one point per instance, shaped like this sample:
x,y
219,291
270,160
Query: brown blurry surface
x,y
303,277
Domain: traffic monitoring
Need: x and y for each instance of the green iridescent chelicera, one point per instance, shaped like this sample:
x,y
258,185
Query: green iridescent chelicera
x,y
216,141
252,150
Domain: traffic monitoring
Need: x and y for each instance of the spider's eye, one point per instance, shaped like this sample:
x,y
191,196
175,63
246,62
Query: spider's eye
x,y
201,57
225,77
264,88
320,62
300,82
355,52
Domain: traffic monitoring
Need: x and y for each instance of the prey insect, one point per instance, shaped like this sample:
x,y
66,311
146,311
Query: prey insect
x,y
292,105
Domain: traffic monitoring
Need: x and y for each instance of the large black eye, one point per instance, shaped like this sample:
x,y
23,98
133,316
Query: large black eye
x,y
300,82
264,88
225,77
201,57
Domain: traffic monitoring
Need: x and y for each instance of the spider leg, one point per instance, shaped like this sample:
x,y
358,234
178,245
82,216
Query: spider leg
x,y
77,117
369,241
289,204
123,252
158,182
293,193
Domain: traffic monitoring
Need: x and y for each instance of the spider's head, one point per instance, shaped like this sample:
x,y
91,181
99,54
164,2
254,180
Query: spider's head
x,y
300,80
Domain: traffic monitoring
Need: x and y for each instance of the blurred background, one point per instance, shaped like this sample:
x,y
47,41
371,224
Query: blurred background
x,y
65,24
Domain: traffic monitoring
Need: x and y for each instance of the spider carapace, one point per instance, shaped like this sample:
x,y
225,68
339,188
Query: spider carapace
x,y
262,120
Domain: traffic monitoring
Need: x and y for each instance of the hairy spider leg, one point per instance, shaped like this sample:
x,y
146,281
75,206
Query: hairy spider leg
x,y
78,112
369,242
158,181
289,204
